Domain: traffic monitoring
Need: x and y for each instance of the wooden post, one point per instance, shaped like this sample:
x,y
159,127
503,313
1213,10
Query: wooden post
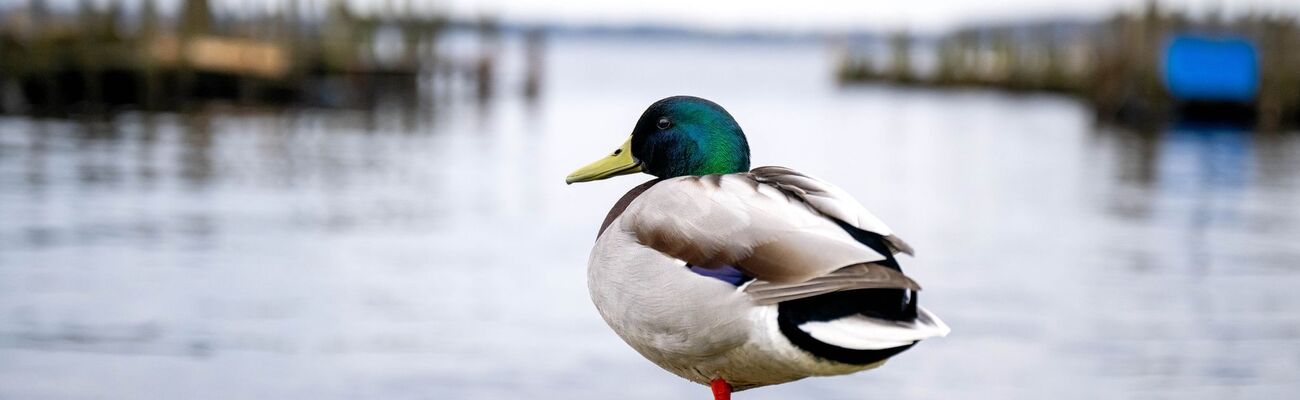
x,y
533,49
151,87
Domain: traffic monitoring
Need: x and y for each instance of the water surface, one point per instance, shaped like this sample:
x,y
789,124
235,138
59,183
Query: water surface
x,y
431,250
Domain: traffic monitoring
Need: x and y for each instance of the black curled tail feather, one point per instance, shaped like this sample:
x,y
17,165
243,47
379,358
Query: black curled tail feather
x,y
831,352
887,304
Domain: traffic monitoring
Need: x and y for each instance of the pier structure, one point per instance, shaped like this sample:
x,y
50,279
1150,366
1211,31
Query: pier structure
x,y
1130,67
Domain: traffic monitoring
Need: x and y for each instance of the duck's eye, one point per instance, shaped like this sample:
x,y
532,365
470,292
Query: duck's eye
x,y
664,123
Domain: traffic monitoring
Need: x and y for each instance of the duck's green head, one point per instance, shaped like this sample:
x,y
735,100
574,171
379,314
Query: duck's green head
x,y
676,136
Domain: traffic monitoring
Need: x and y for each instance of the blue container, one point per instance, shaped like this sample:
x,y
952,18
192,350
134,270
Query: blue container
x,y
1211,69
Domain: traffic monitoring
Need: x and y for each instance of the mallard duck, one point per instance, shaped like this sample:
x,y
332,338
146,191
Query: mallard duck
x,y
736,278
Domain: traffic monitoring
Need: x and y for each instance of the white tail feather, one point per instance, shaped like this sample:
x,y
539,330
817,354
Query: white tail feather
x,y
859,332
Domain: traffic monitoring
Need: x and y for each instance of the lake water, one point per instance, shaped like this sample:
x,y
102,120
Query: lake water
x,y
433,251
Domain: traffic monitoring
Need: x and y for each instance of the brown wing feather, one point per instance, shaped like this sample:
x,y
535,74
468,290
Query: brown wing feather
x,y
831,201
736,220
861,276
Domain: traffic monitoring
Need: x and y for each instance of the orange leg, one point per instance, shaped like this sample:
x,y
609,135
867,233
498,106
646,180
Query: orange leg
x,y
721,389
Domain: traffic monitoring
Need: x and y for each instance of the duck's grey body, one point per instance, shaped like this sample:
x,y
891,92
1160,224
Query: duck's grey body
x,y
776,225
696,327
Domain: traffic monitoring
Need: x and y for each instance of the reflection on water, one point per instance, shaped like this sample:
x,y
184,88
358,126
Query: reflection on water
x,y
431,250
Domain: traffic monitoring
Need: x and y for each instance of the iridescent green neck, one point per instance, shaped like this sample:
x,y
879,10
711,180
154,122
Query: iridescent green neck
x,y
719,154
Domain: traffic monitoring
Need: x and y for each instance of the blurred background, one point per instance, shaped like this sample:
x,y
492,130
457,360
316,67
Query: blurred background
x,y
329,199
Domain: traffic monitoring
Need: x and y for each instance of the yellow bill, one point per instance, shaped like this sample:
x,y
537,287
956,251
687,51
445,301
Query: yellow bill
x,y
618,163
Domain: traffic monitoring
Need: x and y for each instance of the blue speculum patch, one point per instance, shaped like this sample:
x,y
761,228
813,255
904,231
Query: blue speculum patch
x,y
728,274
1210,68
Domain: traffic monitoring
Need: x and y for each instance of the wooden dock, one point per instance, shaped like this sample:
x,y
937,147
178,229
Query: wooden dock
x,y
90,60
1119,66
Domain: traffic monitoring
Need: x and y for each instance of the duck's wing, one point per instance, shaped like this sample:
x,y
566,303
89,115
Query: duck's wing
x,y
858,276
772,234
830,200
